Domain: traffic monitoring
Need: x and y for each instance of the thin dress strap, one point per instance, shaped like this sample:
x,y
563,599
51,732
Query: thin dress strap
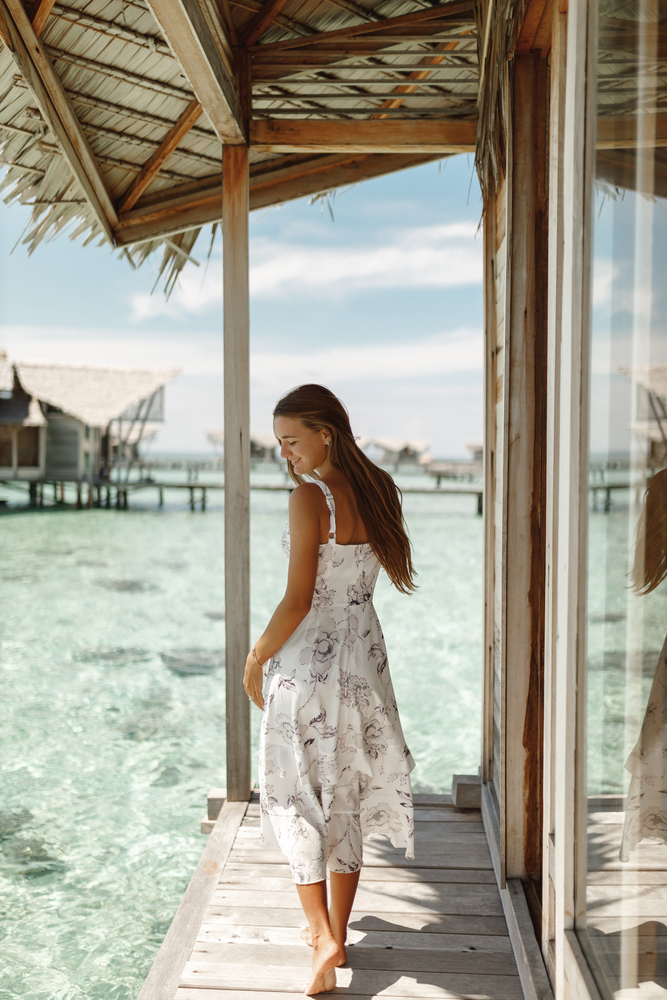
x,y
332,508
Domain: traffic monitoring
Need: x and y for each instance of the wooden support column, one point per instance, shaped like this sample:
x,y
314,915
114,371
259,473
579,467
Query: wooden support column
x,y
525,373
235,208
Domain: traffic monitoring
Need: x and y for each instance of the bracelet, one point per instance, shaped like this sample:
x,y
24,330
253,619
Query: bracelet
x,y
256,660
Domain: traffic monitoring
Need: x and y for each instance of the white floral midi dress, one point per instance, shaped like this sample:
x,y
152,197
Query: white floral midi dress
x,y
333,764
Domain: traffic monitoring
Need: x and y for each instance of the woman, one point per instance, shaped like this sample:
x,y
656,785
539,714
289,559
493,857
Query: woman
x,y
333,764
646,801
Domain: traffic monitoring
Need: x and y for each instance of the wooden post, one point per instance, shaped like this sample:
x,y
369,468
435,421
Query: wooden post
x,y
525,375
235,207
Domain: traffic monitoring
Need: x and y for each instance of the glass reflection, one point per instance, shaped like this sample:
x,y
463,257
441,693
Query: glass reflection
x,y
625,930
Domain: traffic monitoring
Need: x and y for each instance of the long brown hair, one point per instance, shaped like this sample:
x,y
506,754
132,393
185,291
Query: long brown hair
x,y
377,495
650,564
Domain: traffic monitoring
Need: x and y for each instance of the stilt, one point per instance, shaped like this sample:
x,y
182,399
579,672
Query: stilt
x,y
161,495
480,504
108,498
235,207
32,492
192,498
55,492
203,498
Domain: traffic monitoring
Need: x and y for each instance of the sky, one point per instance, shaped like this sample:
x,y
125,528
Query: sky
x,y
382,303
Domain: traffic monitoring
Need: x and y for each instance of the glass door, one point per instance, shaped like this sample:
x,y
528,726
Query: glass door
x,y
625,930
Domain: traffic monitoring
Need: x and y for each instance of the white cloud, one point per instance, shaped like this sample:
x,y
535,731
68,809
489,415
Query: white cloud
x,y
442,256
604,273
442,354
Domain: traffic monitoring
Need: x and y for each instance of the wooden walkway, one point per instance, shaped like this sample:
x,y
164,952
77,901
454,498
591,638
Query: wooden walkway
x,y
433,927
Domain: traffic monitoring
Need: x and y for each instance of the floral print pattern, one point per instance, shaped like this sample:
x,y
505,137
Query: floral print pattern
x,y
334,767
646,802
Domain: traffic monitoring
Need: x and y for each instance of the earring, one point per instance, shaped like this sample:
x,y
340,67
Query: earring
x,y
327,443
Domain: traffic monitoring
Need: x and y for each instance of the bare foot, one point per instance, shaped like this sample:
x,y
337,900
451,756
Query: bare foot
x,y
326,956
307,937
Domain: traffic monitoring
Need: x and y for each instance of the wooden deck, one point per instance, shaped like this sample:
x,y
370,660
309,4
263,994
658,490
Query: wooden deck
x,y
433,927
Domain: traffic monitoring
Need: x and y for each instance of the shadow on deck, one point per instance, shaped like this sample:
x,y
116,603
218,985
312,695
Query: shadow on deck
x,y
432,927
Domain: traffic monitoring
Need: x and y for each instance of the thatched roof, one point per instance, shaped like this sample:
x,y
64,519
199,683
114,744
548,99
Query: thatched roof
x,y
653,378
112,112
21,409
6,376
93,395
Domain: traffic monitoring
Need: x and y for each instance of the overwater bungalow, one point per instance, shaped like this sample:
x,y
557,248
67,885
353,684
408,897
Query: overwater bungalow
x,y
69,423
135,125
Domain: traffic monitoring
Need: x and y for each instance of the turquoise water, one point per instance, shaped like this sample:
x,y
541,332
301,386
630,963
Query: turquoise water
x,y
110,742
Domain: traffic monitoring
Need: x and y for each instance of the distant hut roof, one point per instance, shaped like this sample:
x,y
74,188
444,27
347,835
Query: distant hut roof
x,y
103,133
21,409
94,395
6,377
402,444
653,378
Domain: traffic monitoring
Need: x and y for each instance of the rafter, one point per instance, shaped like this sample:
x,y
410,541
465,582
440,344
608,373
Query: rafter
x,y
212,80
272,182
387,24
152,167
263,19
437,135
34,64
41,15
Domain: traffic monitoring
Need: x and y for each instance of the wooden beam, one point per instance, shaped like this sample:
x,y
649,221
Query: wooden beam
x,y
189,206
47,89
41,15
531,23
371,136
207,68
284,181
622,133
236,322
151,168
261,21
387,24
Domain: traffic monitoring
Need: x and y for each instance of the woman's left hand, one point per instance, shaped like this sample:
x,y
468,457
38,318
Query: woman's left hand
x,y
253,680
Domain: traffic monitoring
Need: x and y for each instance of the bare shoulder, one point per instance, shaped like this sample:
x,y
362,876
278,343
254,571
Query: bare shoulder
x,y
307,499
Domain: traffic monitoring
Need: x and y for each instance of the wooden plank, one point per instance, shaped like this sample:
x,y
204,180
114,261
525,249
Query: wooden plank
x,y
235,207
366,983
449,11
459,905
261,21
209,69
360,939
461,857
431,893
237,872
35,66
363,920
214,953
375,136
162,153
177,946
41,15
